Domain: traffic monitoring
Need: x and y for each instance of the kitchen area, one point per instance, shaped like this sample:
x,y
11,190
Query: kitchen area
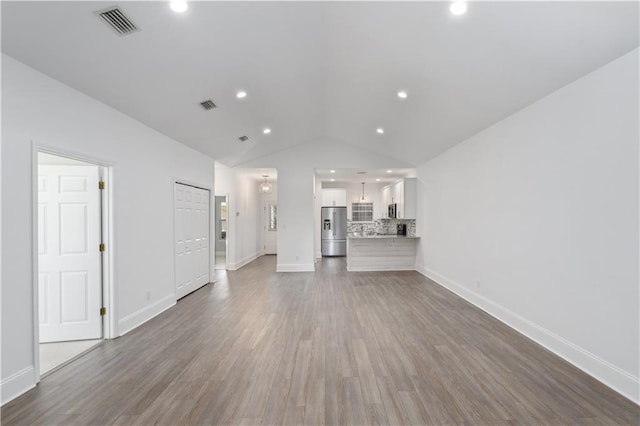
x,y
369,216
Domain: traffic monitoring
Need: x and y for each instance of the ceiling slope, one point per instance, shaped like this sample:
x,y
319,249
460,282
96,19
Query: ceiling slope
x,y
318,70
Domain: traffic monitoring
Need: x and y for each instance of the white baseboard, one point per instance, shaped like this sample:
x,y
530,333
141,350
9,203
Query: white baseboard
x,y
295,267
17,384
237,265
614,377
143,315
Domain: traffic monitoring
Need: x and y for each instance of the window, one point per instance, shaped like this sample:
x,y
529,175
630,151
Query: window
x,y
223,221
362,212
273,222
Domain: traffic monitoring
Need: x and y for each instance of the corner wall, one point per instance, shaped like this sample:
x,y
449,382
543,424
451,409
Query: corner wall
x,y
535,220
36,108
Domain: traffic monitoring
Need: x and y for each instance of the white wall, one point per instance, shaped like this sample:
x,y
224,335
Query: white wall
x,y
145,162
317,206
243,237
297,189
542,210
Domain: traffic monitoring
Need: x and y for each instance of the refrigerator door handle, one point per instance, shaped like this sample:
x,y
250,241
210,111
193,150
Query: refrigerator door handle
x,y
334,223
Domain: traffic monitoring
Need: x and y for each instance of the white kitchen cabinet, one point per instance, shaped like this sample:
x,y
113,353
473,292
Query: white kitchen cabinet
x,y
334,197
385,201
403,193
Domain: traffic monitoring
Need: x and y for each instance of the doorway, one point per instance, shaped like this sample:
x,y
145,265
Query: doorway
x,y
70,248
270,227
222,223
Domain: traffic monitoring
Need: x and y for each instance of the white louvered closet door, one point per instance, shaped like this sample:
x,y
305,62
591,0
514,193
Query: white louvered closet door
x,y
191,238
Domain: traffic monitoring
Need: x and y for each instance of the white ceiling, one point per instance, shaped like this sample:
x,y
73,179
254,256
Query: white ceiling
x,y
315,70
369,176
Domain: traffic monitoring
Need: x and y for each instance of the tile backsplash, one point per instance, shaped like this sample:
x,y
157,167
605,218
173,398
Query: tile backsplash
x,y
382,226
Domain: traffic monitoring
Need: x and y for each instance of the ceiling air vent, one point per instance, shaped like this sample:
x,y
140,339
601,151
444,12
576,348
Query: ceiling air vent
x,y
243,138
118,21
361,173
208,104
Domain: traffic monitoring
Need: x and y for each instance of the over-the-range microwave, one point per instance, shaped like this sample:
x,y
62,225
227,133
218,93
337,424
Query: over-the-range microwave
x,y
393,211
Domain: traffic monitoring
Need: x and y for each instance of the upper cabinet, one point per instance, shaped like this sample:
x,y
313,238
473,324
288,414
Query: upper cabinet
x,y
334,197
402,193
385,200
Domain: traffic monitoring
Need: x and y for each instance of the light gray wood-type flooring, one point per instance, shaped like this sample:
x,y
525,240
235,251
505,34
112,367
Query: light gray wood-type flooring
x,y
330,347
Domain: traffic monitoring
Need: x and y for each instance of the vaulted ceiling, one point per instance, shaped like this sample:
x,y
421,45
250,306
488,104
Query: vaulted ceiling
x,y
318,70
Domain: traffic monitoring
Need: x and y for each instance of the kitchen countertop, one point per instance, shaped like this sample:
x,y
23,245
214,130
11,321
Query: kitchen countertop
x,y
375,236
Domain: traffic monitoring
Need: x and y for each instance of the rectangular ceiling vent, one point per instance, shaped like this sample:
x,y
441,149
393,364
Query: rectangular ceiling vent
x,y
243,138
208,104
118,21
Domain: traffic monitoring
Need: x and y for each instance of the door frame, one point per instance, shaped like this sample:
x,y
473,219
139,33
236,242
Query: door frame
x,y
106,219
226,243
212,272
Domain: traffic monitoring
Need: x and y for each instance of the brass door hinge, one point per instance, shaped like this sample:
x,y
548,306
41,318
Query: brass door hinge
x,y
101,185
103,311
101,247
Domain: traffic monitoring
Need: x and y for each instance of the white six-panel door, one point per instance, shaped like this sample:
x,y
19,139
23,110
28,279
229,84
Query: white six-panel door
x,y
69,280
192,238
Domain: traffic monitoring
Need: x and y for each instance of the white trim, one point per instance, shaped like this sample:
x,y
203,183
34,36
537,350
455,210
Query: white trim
x,y
35,271
318,255
107,217
74,155
215,234
612,376
109,330
237,265
143,315
295,267
17,384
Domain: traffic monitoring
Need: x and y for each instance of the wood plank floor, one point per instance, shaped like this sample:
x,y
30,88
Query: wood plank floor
x,y
328,347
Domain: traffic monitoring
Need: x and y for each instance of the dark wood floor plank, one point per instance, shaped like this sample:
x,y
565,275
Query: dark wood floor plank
x,y
330,347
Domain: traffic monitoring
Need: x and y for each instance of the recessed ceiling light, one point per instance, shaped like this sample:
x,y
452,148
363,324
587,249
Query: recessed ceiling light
x,y
333,180
402,94
389,171
377,179
380,130
241,94
266,131
332,171
179,6
458,7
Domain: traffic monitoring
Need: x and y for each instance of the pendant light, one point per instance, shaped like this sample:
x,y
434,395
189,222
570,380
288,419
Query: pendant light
x,y
265,187
362,199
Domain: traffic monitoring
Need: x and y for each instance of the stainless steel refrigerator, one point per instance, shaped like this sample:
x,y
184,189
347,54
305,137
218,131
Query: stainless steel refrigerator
x,y
334,231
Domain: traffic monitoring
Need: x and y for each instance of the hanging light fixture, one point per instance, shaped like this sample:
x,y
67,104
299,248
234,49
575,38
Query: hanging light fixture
x,y
265,187
362,199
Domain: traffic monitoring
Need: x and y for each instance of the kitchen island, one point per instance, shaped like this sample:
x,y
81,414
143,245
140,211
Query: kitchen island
x,y
374,252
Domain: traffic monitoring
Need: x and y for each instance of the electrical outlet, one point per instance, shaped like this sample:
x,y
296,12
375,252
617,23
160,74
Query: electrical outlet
x,y
148,295
297,258
478,284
